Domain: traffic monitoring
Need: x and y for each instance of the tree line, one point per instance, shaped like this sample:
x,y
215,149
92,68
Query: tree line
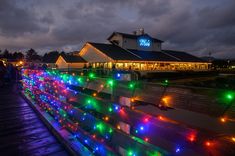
x,y
12,56
30,55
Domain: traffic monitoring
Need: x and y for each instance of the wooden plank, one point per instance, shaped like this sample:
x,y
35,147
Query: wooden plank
x,y
45,150
21,131
34,134
19,113
24,140
14,131
9,127
13,107
17,118
60,153
13,113
13,110
38,143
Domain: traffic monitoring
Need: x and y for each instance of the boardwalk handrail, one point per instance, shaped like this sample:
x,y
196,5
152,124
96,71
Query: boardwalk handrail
x,y
82,105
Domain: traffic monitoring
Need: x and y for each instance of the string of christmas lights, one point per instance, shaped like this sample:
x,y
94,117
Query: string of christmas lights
x,y
100,125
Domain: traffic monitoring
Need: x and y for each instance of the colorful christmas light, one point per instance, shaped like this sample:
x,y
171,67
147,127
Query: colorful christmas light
x,y
51,90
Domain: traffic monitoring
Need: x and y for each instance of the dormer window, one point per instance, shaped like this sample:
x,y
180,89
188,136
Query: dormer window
x,y
137,41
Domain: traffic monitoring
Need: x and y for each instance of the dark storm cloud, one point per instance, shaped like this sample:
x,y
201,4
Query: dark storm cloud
x,y
17,21
153,8
218,16
195,26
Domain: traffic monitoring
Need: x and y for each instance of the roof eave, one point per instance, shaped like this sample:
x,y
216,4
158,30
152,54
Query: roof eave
x,y
111,36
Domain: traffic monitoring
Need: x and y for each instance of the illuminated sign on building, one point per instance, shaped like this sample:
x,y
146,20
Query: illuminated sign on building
x,y
144,42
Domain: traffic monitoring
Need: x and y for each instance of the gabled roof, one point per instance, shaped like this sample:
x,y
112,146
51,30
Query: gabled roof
x,y
133,36
115,52
73,59
183,56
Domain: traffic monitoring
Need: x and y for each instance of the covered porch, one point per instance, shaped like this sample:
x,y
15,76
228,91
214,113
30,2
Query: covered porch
x,y
152,65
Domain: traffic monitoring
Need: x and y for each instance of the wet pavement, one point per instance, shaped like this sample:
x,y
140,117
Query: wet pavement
x,y
21,131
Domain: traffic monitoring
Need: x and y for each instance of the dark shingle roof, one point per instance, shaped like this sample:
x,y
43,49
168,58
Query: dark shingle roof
x,y
73,59
152,55
132,36
183,56
115,52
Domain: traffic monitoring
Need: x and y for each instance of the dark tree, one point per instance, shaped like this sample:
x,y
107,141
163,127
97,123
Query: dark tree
x,y
31,55
63,53
18,56
45,56
53,53
6,54
14,55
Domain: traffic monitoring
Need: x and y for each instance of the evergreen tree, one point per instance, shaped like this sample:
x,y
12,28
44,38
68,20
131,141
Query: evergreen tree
x,y
31,55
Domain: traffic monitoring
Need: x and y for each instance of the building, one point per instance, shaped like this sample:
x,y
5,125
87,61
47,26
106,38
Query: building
x,y
139,51
70,61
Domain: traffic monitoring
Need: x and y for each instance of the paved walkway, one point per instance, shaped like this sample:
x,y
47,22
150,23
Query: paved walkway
x,y
21,131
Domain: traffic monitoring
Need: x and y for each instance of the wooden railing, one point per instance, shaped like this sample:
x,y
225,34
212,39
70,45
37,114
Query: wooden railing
x,y
90,109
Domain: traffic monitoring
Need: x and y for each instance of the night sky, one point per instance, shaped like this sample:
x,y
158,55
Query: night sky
x,y
196,26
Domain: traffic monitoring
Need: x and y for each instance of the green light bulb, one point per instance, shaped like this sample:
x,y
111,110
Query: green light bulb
x,y
131,85
79,79
110,109
111,82
100,127
91,75
130,153
229,96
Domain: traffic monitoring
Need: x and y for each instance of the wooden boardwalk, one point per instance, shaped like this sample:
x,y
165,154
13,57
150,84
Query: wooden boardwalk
x,y
21,131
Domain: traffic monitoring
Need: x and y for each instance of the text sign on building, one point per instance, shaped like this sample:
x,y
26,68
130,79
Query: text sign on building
x,y
144,41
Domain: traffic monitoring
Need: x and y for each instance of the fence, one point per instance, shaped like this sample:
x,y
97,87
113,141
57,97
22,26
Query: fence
x,y
91,110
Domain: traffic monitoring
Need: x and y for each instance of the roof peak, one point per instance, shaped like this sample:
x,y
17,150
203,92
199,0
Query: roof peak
x,y
133,36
